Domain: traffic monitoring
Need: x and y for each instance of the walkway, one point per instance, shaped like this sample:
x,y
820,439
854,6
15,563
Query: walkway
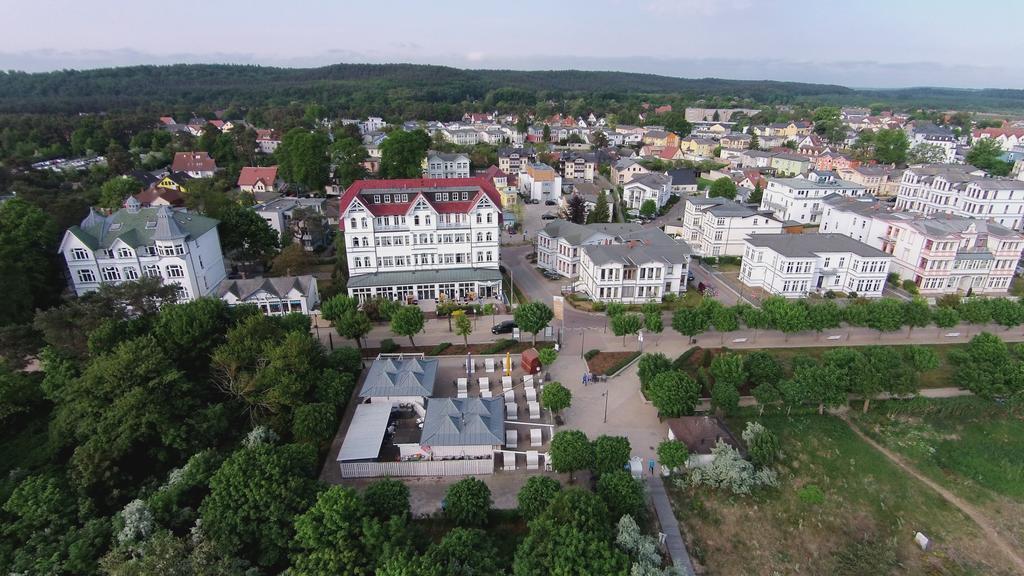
x,y
973,513
669,525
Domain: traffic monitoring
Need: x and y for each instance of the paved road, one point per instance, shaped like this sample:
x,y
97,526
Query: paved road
x,y
726,294
669,525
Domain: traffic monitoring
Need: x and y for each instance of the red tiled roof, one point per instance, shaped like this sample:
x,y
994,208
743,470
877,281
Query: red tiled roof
x,y
413,187
668,153
493,172
169,195
167,120
266,134
250,175
217,123
997,132
193,162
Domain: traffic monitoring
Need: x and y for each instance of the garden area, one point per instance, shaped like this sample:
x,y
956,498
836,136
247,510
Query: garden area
x,y
840,507
602,363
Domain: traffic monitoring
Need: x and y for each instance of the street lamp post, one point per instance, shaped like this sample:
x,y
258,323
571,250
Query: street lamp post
x,y
583,337
605,406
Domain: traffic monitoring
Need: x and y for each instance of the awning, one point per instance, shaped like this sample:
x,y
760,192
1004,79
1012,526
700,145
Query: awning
x,y
366,432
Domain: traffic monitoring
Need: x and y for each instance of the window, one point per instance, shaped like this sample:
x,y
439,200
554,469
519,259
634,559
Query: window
x,y
376,198
124,253
353,221
110,274
86,276
80,254
131,273
151,271
175,271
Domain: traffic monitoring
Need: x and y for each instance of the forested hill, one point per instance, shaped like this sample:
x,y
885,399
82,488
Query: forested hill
x,y
411,90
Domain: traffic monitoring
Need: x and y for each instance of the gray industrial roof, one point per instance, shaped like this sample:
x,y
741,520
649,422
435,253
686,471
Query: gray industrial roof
x,y
366,432
464,422
809,245
400,377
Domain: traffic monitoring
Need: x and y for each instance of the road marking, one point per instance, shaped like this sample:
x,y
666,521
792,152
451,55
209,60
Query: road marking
x,y
739,340
952,334
837,337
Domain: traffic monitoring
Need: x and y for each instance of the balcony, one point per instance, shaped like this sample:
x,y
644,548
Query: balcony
x,y
451,225
392,228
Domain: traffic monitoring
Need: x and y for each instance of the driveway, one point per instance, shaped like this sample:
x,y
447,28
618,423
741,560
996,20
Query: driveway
x,y
709,276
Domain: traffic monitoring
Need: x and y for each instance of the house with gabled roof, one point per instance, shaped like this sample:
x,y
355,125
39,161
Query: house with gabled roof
x,y
195,164
463,427
398,380
254,179
273,296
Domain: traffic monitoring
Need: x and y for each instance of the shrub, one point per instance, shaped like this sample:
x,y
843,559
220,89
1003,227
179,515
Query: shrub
x,y
622,363
682,360
591,353
440,348
547,356
893,279
499,346
762,444
314,423
811,494
672,454
729,471
710,260
669,298
910,286
598,307
387,346
728,259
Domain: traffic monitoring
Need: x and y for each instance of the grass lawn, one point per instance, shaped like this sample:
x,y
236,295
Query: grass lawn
x,y
941,377
841,508
973,447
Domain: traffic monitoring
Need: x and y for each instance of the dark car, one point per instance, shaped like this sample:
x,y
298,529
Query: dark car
x,y
551,275
503,327
550,202
548,216
533,201
689,276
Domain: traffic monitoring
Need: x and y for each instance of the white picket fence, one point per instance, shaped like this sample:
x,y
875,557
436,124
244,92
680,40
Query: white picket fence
x,y
420,468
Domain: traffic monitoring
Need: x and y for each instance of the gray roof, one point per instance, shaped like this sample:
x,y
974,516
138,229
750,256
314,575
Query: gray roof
x,y
400,377
726,208
624,163
805,184
412,277
998,184
286,203
862,205
651,180
810,245
447,157
682,177
140,228
463,422
246,287
577,234
636,253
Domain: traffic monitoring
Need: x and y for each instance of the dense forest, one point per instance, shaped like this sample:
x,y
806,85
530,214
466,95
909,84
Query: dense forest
x,y
421,91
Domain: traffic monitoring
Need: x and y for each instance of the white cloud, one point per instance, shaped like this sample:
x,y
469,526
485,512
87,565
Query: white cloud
x,y
475,56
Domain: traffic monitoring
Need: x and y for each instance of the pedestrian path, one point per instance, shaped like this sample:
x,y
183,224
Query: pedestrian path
x,y
669,525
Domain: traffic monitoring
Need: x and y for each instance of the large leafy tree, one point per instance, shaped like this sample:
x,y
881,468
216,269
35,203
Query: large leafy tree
x,y
648,208
626,324
891,145
533,317
555,397
724,187
246,236
729,368
402,153
689,321
886,315
762,368
535,496
672,454
674,393
650,365
29,276
355,325
408,321
571,451
623,495
611,453
986,153
115,191
468,502
824,385
302,158
254,499
348,155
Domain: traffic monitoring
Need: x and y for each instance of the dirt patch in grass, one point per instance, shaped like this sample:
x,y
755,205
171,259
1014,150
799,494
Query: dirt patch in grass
x,y
607,363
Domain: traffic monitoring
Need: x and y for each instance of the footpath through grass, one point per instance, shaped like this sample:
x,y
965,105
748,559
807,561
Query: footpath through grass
x,y
841,508
971,446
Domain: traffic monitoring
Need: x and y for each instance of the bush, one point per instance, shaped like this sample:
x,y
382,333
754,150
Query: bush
x,y
729,471
622,363
762,444
591,353
728,259
673,454
440,348
598,307
811,494
669,298
709,260
536,494
893,279
388,346
347,359
468,502
547,356
622,494
910,286
314,423
683,359
499,346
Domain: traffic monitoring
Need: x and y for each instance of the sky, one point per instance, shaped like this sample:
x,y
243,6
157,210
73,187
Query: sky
x,y
856,43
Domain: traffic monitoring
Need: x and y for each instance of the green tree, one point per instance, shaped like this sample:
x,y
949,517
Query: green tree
x,y
622,494
468,502
463,552
536,494
725,398
611,453
408,321
825,385
767,394
649,366
823,316
762,368
674,393
533,317
348,155
725,319
546,133
729,368
387,498
916,314
576,211
302,158
886,315
724,187
463,325
354,325
762,444
626,324
986,153
689,322
29,274
672,454
402,153
891,145
945,317
601,212
925,153
571,451
115,191
555,397
255,496
246,236
648,208
315,423
1006,313
976,311
337,306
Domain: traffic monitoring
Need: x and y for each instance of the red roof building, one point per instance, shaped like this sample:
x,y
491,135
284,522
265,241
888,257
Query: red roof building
x,y
195,164
257,179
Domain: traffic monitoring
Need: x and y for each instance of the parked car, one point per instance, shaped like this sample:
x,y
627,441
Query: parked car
x,y
551,275
689,276
548,216
503,327
549,202
533,201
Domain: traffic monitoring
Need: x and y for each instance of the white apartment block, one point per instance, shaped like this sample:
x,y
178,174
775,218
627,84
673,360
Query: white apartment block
x,y
644,268
443,165
651,186
794,265
799,199
181,248
928,133
461,137
417,239
515,160
719,227
625,170
540,182
278,215
959,191
942,254
560,242
578,167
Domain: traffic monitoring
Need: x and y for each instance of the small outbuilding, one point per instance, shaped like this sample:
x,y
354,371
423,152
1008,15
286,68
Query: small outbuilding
x,y
530,360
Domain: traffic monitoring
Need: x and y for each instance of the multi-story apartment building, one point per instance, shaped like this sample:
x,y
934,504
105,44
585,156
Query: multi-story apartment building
x,y
625,169
651,186
559,243
273,296
181,248
794,265
540,182
644,267
872,178
578,166
959,191
718,227
799,199
293,217
942,254
515,160
444,165
416,239
928,133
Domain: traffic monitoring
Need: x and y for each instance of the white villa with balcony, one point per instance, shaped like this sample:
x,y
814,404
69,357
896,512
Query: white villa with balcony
x,y
799,199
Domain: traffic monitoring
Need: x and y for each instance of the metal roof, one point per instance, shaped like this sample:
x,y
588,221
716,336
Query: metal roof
x,y
389,377
464,422
810,245
366,432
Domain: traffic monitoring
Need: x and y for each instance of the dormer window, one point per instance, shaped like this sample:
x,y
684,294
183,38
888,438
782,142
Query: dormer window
x,y
387,198
376,198
124,253
79,254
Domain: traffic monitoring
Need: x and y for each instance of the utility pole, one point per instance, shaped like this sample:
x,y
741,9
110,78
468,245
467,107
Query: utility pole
x,y
583,336
605,406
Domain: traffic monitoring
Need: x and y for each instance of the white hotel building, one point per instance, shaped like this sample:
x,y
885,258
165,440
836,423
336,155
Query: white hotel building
x,y
799,199
560,242
794,265
942,254
415,239
644,267
960,191
718,227
181,248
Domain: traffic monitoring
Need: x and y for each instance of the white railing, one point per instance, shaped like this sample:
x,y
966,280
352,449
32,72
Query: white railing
x,y
421,468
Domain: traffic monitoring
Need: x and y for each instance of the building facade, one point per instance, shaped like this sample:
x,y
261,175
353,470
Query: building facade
x,y
443,165
273,296
643,267
419,239
960,191
180,248
540,182
652,186
578,166
799,199
719,227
